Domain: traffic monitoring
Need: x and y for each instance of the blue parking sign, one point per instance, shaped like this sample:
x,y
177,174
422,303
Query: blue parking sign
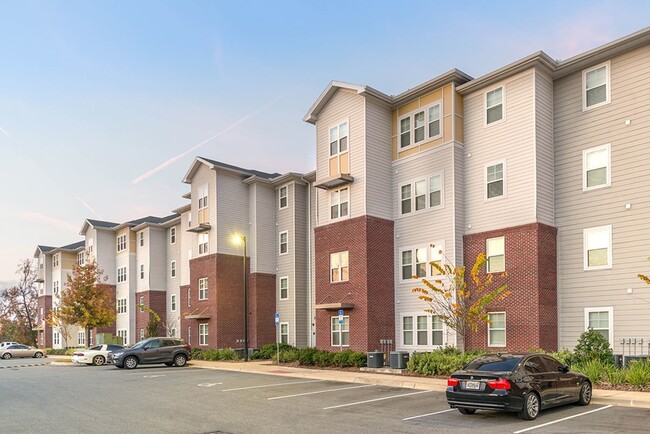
x,y
277,319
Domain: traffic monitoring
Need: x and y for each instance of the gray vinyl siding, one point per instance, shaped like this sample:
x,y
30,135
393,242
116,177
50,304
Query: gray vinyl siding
x,y
143,258
158,266
544,149
286,262
187,241
457,189
576,210
344,105
262,230
173,252
105,253
232,213
301,285
378,160
204,176
510,141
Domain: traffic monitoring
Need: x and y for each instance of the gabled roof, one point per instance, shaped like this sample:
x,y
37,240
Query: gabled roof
x,y
213,164
96,224
142,223
42,249
331,89
68,248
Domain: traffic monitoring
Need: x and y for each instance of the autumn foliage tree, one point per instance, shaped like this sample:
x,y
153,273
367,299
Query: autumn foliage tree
x,y
461,306
19,306
86,300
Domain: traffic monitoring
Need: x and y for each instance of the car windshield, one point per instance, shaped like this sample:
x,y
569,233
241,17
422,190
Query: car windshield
x,y
493,364
139,345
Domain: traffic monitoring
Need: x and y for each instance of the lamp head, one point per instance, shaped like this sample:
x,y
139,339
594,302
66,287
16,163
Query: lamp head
x,y
238,239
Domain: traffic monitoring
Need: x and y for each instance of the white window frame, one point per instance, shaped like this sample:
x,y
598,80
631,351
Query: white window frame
x,y
283,197
203,334
172,235
284,334
55,260
608,85
141,334
121,306
426,111
281,288
338,329
141,271
585,247
121,243
172,332
204,243
202,202
489,254
203,288
124,335
284,243
610,312
490,328
121,275
412,198
55,288
81,258
503,106
90,246
342,262
415,341
172,269
141,236
336,201
585,154
56,338
172,302
337,127
141,303
486,182
430,254
189,296
81,337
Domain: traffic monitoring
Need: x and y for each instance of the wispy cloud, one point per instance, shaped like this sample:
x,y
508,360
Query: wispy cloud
x,y
209,139
4,132
42,218
84,203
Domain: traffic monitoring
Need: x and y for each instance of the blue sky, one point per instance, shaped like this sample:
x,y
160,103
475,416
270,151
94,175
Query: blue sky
x,y
94,95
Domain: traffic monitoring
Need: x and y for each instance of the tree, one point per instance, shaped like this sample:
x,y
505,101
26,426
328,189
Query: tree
x,y
460,306
86,300
53,319
19,305
154,321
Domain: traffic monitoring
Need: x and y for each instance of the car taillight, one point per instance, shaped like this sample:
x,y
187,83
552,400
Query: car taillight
x,y
452,381
500,384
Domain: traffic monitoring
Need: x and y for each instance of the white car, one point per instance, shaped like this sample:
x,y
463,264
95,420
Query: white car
x,y
96,355
6,344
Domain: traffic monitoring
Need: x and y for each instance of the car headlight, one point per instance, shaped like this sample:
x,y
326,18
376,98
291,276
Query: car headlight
x,y
118,354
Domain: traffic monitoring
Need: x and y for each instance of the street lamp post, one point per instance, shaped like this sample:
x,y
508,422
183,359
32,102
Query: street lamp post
x,y
241,239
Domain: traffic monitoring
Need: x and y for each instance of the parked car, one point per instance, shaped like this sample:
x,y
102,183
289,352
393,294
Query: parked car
x,y
18,350
6,344
522,383
170,351
97,355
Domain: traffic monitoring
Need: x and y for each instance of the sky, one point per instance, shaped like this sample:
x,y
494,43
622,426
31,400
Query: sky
x,y
105,104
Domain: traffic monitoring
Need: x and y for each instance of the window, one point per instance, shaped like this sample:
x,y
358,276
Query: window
x,y
203,334
339,139
173,302
121,305
123,335
81,338
90,246
421,194
203,204
284,242
141,239
121,274
494,185
597,247
494,105
284,288
340,332
284,200
435,258
595,86
284,333
55,260
57,338
427,332
595,167
339,267
55,288
188,297
172,236
121,243
203,243
407,330
189,335
339,200
436,330
497,329
173,269
81,258
203,288
415,262
172,333
141,303
495,252
422,331
141,271
420,125
599,319
141,334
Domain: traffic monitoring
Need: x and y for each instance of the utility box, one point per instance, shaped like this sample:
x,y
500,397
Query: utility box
x,y
375,359
399,359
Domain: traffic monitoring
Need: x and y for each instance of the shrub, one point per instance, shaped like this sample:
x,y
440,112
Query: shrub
x,y
349,358
214,354
195,353
638,373
440,362
595,369
615,376
56,352
592,345
324,358
306,356
269,351
564,356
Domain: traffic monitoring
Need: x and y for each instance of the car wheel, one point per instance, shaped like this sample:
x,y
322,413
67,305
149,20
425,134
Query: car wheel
x,y
38,355
585,394
180,360
99,360
6,356
130,362
467,410
531,407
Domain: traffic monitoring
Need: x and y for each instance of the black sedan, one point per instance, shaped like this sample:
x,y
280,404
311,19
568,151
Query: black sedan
x,y
522,383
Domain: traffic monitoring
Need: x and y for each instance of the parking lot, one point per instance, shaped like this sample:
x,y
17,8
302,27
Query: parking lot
x,y
194,400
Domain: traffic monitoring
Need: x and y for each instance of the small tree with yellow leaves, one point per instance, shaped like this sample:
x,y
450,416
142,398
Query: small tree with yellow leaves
x,y
460,306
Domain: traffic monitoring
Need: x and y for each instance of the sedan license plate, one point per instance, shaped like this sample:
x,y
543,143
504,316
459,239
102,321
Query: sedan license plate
x,y
473,385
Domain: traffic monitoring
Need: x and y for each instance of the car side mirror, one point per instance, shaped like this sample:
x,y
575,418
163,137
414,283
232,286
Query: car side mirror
x,y
563,368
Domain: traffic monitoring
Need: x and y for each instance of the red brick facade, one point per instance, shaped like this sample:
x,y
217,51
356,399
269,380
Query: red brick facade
x,y
531,307
43,337
156,301
111,328
370,288
261,305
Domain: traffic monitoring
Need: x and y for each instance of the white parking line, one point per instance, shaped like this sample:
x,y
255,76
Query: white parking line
x,y
272,385
563,419
320,391
377,399
429,414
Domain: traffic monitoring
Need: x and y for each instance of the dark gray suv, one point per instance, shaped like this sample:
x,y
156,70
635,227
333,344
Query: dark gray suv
x,y
170,351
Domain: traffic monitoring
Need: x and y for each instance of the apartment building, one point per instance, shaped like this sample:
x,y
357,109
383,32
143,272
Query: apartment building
x,y
539,164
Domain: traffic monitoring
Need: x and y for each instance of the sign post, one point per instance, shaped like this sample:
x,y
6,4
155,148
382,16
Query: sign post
x,y
277,335
340,329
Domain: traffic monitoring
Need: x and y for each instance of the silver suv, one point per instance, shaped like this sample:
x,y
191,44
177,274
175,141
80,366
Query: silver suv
x,y
170,351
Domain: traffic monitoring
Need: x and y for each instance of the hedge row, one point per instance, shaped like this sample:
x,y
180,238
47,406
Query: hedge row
x,y
312,356
210,354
